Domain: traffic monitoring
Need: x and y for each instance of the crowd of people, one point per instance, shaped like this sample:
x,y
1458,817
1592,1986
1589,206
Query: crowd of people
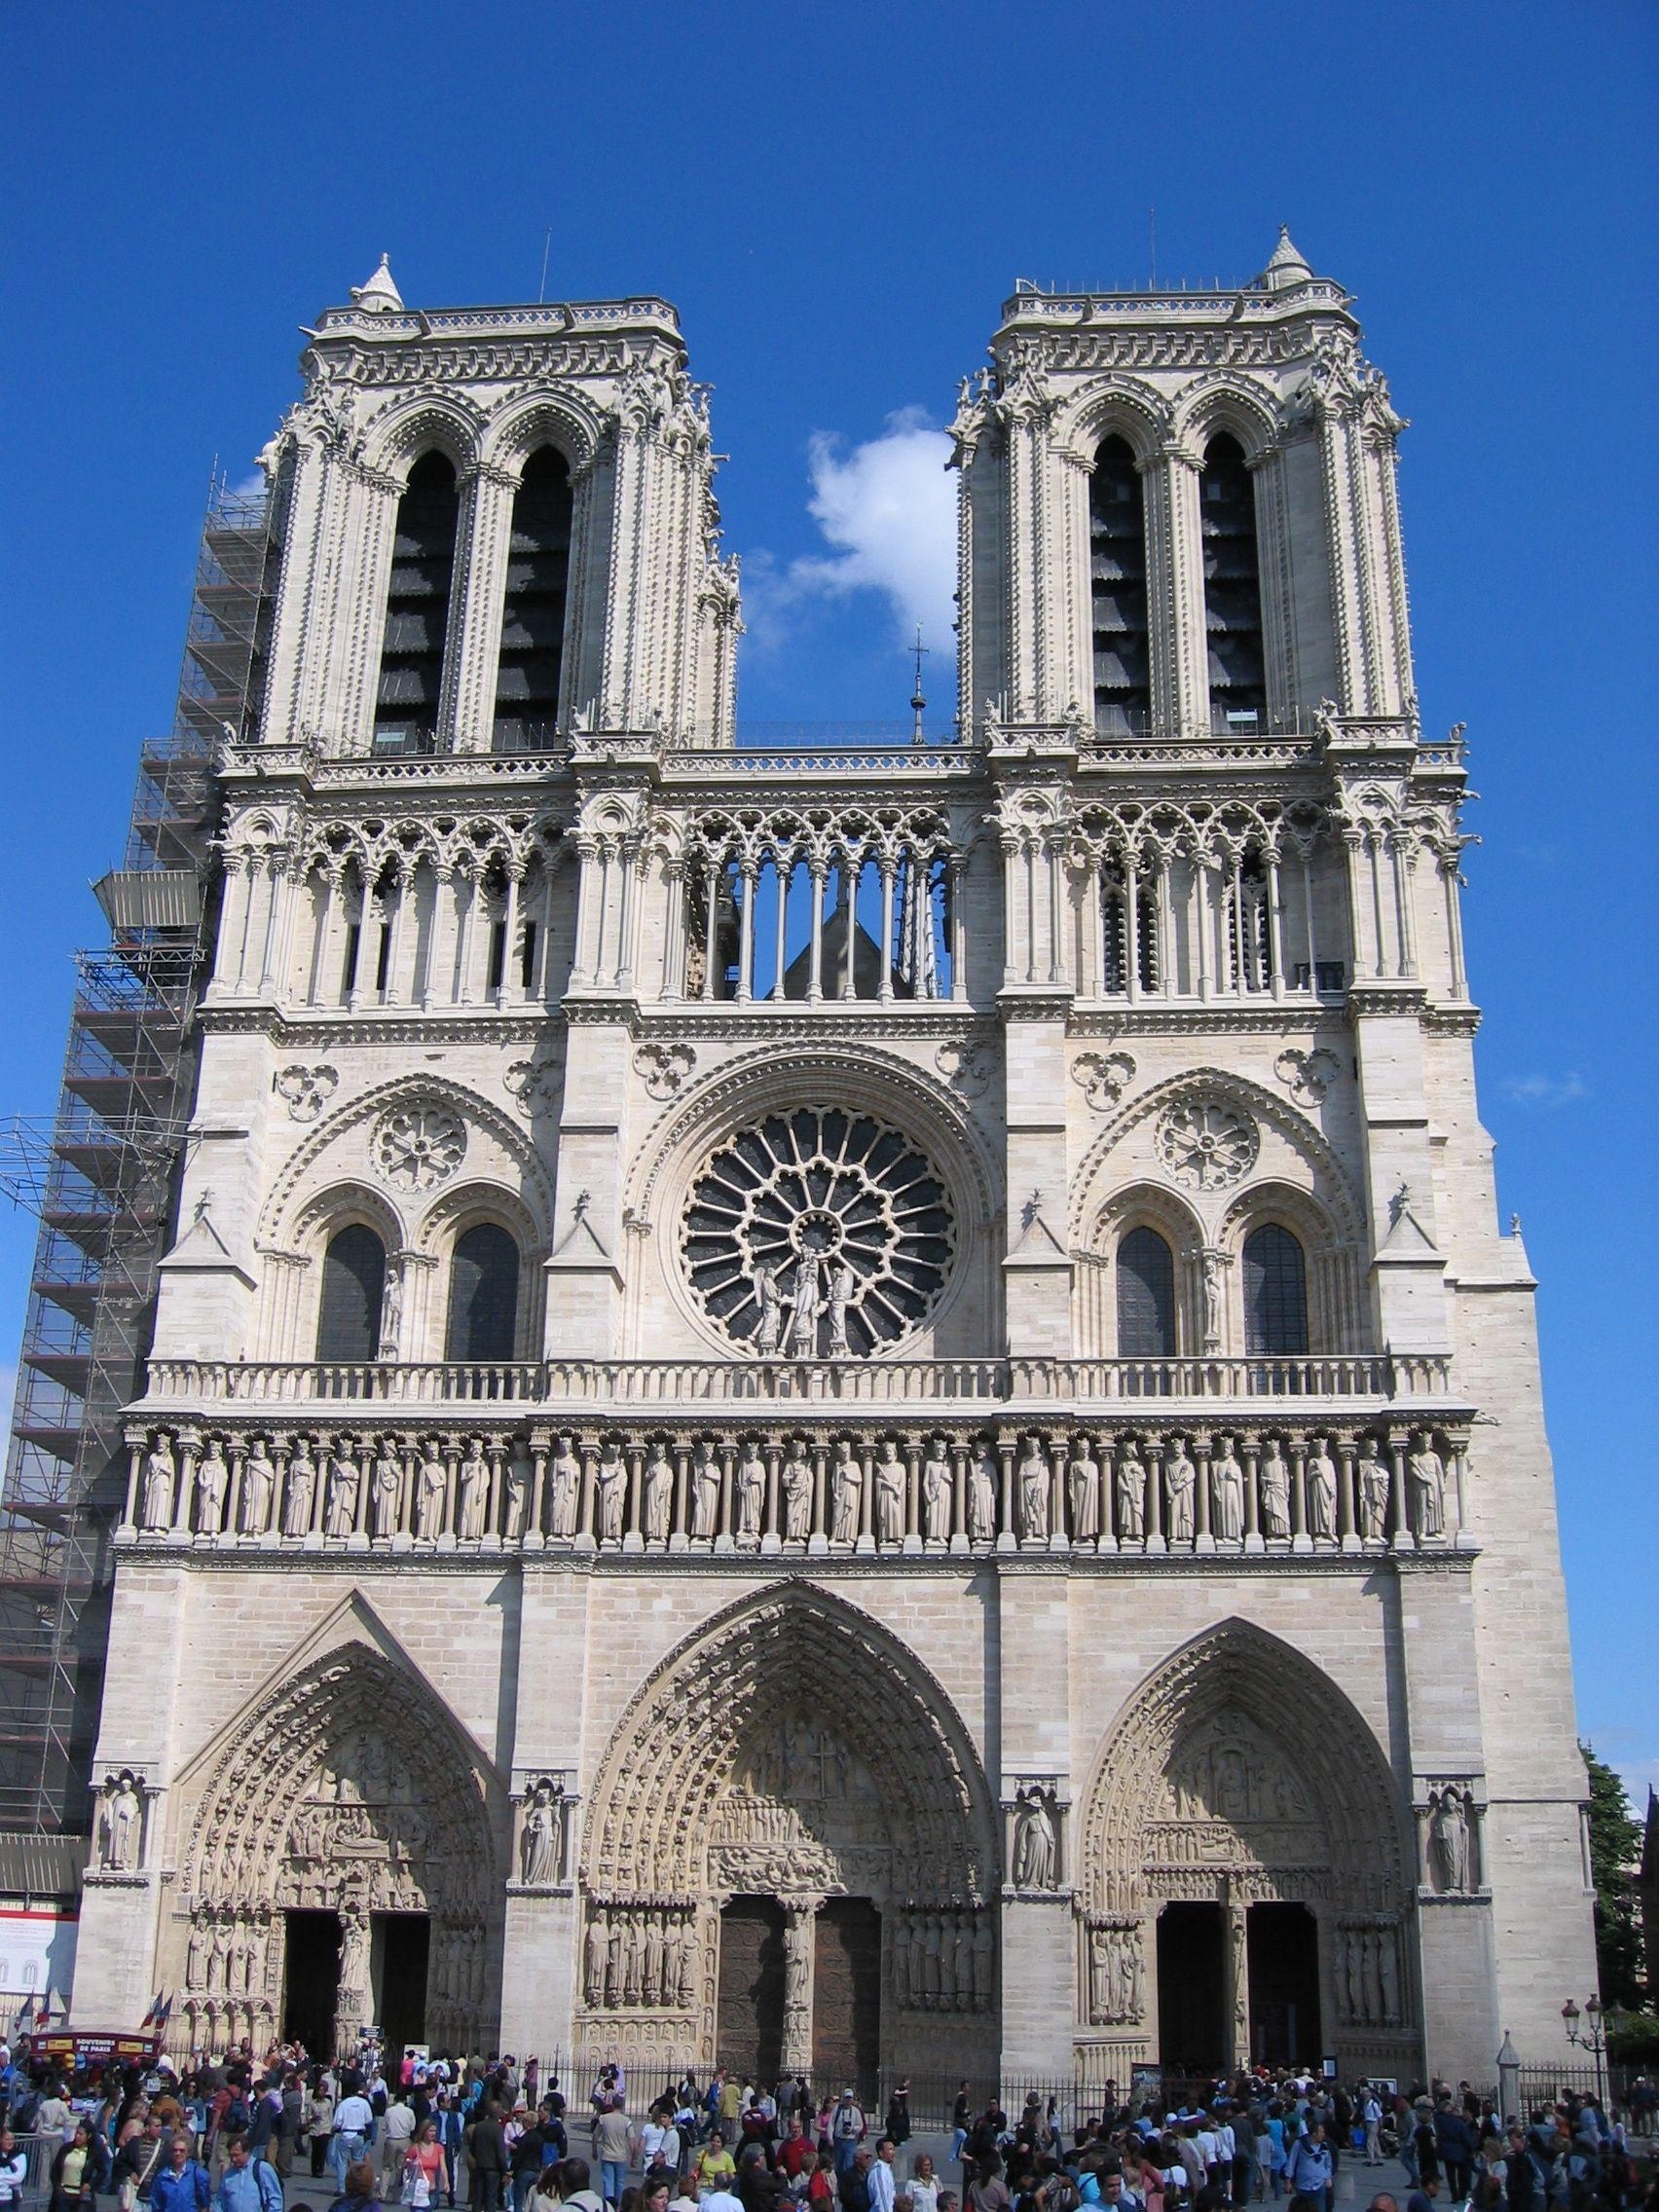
x,y
436,2134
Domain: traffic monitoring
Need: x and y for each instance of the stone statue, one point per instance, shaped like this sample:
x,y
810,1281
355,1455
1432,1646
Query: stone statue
x,y
538,1844
705,1490
615,1962
751,1491
1389,1965
340,1501
982,1496
937,1494
795,1478
195,1958
846,1493
432,1485
161,1475
769,1328
354,1953
1035,1842
1372,1478
985,1963
843,1285
1426,1472
122,1825
563,1491
1210,1265
889,1496
392,1311
1321,1478
1275,1484
516,1495
1082,1486
1130,1489
1032,1486
797,1963
212,1481
302,1491
806,1296
472,1492
1180,1486
595,1958
1227,1495
610,1492
1448,1840
258,1488
657,1496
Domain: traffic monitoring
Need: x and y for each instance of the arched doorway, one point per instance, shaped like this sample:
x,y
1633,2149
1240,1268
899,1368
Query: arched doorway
x,y
1242,1843
342,1869
791,1847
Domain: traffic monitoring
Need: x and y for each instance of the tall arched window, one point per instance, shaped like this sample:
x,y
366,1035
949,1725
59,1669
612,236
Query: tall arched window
x,y
483,1304
1233,589
533,614
1116,545
417,610
354,1285
1275,1292
1146,1297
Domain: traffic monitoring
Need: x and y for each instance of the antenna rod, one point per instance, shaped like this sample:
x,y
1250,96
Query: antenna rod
x,y
918,704
547,248
1151,244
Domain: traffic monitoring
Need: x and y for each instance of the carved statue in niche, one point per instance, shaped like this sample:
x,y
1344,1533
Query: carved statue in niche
x,y
751,1491
657,1496
340,1497
1130,1489
473,1493
1180,1485
596,1958
615,1960
846,1495
843,1284
1036,1840
212,1481
889,1494
1227,1494
795,1479
1321,1493
516,1495
610,1492
937,1494
258,1489
1426,1472
431,1483
121,1824
982,1496
161,1476
539,1854
1082,1487
386,1481
769,1328
1448,1853
1371,1481
1033,1484
705,1490
1210,1266
1275,1485
302,1491
1389,1962
564,1489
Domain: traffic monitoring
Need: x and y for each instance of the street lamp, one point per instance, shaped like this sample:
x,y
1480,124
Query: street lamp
x,y
1592,2039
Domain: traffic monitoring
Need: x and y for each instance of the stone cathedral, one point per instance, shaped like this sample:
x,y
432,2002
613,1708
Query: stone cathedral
x,y
850,1407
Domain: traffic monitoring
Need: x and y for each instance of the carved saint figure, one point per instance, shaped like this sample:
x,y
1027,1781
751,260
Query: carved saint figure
x,y
161,1474
1426,1472
123,1821
846,1494
650,1972
596,1955
1321,1492
1227,1494
1275,1493
750,1487
795,1478
984,1962
339,1498
1033,1485
258,1488
212,1481
807,1298
302,1491
769,1328
889,1496
1129,1489
515,1495
1210,1264
843,1284
981,1497
1372,1478
539,1845
354,1953
657,1496
610,1492
1180,1485
1103,1978
705,1490
431,1483
1035,1841
1082,1488
563,1491
1448,1840
936,1494
473,1492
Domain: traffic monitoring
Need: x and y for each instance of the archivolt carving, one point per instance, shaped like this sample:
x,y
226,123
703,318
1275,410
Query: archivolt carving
x,y
1128,407
1240,1762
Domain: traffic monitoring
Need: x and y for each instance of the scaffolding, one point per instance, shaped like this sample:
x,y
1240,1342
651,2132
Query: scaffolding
x,y
102,1179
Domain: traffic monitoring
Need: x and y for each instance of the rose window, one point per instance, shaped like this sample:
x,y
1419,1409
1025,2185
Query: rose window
x,y
417,1146
1206,1143
818,1234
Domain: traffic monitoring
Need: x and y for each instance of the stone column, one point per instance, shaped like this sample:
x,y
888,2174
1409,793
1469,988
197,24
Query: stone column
x,y
1239,1985
800,1947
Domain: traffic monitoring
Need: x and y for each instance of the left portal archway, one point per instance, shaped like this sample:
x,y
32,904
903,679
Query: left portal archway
x,y
350,1791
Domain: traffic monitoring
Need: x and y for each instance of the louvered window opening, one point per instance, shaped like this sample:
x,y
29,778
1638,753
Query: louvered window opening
x,y
1117,546
354,1285
484,1286
1276,1292
417,610
1233,589
1146,1297
1115,936
533,614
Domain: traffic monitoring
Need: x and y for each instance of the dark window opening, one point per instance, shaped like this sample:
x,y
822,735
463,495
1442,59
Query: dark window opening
x,y
354,1285
354,945
484,1285
417,610
497,954
1146,1297
1117,549
1275,1292
533,611
383,960
1232,590
527,958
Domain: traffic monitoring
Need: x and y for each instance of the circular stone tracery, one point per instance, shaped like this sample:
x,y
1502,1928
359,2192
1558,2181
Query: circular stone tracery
x,y
818,1233
1206,1142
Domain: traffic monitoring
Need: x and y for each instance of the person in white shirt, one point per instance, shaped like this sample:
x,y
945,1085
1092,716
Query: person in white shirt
x,y
353,2118
396,2133
881,2178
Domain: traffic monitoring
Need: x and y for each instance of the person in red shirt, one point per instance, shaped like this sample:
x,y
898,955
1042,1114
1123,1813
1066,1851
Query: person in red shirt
x,y
794,2153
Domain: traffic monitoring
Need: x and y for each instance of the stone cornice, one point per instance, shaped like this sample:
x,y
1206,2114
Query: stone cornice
x,y
320,1029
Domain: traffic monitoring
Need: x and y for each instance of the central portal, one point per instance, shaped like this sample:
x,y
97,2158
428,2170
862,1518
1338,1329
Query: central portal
x,y
846,1994
1192,1988
750,2036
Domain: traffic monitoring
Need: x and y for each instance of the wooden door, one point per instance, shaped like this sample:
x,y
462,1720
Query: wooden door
x,y
749,2034
846,1997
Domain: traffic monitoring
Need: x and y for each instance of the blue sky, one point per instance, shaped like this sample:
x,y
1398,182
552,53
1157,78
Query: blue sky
x,y
838,198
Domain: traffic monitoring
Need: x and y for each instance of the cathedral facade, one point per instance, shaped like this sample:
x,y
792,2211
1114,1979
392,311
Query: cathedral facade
x,y
857,1407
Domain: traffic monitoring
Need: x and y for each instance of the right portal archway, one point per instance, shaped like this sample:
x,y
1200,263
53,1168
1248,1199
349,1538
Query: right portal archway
x,y
1242,1892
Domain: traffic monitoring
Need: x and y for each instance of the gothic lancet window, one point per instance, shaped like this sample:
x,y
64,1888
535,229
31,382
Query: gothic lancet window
x,y
353,1284
1146,1297
1233,589
533,614
1117,539
483,1303
417,610
1275,1292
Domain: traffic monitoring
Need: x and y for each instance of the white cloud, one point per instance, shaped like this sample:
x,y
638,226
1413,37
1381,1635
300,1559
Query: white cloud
x,y
1544,1090
888,507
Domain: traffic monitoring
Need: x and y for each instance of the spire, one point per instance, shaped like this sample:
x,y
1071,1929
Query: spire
x,y
1286,269
379,295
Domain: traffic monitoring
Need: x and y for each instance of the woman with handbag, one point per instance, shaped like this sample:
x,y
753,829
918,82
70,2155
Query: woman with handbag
x,y
74,2173
137,2164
